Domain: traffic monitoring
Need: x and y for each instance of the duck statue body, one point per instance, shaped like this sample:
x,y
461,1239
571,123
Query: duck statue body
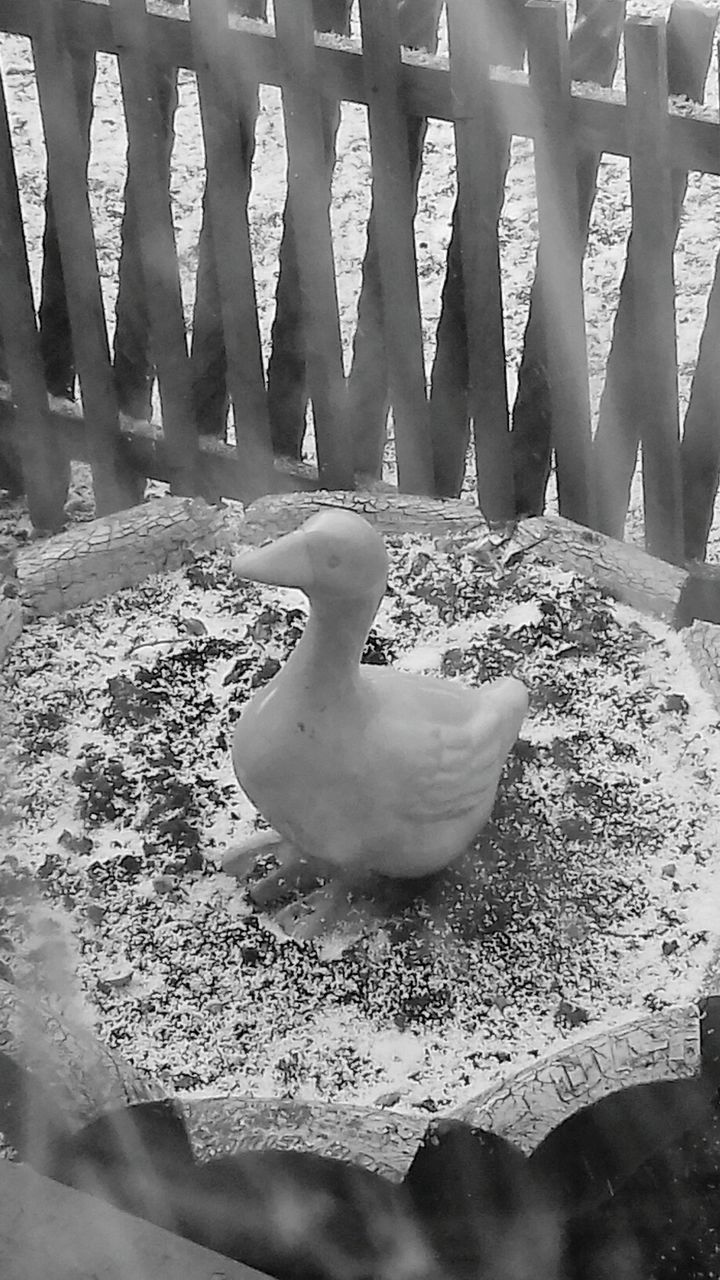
x,y
364,768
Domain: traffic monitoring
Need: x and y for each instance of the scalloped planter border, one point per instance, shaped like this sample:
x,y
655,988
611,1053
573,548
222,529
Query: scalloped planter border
x,y
122,550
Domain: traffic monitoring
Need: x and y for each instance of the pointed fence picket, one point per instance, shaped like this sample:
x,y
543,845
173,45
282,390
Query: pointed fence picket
x,y
228,324
309,213
114,481
394,205
368,379
41,459
593,55
560,294
140,74
688,47
483,156
481,146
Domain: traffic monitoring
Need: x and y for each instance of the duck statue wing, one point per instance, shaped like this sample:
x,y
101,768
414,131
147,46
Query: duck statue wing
x,y
458,764
455,744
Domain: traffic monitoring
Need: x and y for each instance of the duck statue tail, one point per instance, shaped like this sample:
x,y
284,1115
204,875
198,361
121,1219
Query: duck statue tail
x,y
511,699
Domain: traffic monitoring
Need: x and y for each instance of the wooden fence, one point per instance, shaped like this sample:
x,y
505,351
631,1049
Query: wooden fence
x,y
489,102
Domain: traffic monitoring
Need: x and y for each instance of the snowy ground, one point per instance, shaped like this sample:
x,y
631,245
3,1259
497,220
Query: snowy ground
x,y
592,892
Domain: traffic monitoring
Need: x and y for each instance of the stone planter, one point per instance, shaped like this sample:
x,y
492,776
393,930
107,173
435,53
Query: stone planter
x,y
83,1078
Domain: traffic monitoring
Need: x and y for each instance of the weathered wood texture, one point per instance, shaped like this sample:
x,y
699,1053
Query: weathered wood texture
x,y
593,56
228,104
11,619
308,211
487,35
11,622
599,125
570,129
393,209
655,341
115,551
624,571
481,145
368,393
112,552
50,1230
217,468
530,1102
313,77
80,1076
67,148
138,67
688,49
700,446
560,295
42,463
94,559
288,372
390,512
523,1107
640,396
383,1141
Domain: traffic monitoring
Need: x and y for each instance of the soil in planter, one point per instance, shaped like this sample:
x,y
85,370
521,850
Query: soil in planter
x,y
590,892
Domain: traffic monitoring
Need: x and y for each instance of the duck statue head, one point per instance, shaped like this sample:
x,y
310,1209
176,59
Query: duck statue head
x,y
362,769
341,564
336,554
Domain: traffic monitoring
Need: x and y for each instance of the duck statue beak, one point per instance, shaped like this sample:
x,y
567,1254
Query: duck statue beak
x,y
284,563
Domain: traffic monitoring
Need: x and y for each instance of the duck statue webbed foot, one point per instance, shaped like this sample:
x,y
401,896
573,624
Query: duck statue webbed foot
x,y
362,769
292,873
317,905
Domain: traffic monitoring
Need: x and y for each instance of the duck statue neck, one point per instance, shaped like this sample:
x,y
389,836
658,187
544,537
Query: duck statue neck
x,y
363,769
344,578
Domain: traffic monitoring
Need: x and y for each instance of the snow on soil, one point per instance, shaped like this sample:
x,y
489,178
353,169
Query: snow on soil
x,y
590,892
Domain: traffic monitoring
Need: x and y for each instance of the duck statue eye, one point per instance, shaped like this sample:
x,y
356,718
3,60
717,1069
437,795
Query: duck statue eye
x,y
334,560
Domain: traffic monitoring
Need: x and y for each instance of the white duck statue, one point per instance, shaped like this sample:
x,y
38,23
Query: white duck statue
x,y
360,769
